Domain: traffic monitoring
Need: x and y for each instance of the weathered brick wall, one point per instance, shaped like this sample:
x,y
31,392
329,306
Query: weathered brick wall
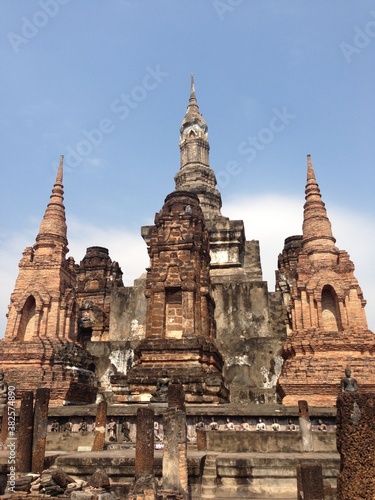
x,y
31,365
97,276
356,445
178,283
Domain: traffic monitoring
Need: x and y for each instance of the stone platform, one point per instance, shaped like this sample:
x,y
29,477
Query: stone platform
x,y
235,475
231,464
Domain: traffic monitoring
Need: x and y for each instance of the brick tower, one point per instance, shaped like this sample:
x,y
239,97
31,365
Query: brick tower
x,y
39,348
180,324
327,327
97,276
43,301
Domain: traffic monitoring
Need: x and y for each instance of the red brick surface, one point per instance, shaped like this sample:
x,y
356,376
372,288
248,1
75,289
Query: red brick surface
x,y
327,322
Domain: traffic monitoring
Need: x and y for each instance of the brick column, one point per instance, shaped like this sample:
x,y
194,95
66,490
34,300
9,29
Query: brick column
x,y
37,323
343,314
144,456
201,439
40,429
16,324
356,444
305,310
44,322
188,313
175,471
100,423
313,315
310,481
319,312
25,433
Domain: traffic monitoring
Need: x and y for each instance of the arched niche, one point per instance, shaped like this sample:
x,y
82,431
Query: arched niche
x,y
331,320
27,324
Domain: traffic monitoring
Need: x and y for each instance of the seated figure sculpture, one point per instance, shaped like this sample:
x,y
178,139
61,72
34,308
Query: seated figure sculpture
x,y
275,425
161,393
229,426
348,384
291,425
213,426
261,426
321,426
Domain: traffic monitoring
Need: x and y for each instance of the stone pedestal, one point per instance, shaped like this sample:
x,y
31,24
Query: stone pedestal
x,y
356,445
195,362
310,481
144,483
175,470
201,439
40,430
25,433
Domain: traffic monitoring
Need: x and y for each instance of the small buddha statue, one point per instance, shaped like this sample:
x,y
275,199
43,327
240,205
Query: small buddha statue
x,y
348,384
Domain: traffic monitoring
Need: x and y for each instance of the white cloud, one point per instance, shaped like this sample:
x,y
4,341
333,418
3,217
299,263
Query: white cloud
x,y
125,247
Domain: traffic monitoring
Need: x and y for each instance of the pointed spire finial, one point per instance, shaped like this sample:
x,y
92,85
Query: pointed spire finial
x,y
193,114
193,103
53,226
192,89
195,172
310,169
317,231
59,176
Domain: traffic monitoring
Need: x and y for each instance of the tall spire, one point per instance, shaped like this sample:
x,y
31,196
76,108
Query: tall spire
x,y
53,229
195,173
317,231
193,119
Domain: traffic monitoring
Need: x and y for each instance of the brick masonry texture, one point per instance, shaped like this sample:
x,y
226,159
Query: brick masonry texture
x,y
356,444
327,327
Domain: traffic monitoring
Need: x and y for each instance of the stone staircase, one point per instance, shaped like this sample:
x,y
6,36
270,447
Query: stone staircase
x,y
209,478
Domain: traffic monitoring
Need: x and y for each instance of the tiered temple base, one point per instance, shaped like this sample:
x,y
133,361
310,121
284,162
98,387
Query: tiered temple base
x,y
62,366
315,362
194,362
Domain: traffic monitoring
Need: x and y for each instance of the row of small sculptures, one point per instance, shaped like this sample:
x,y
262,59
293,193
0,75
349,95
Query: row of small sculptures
x,y
261,425
84,427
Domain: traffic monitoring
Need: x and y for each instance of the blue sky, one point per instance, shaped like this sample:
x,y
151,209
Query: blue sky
x,y
106,83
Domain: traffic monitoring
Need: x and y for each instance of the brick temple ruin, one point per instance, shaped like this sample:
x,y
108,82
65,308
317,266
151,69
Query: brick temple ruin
x,y
201,316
